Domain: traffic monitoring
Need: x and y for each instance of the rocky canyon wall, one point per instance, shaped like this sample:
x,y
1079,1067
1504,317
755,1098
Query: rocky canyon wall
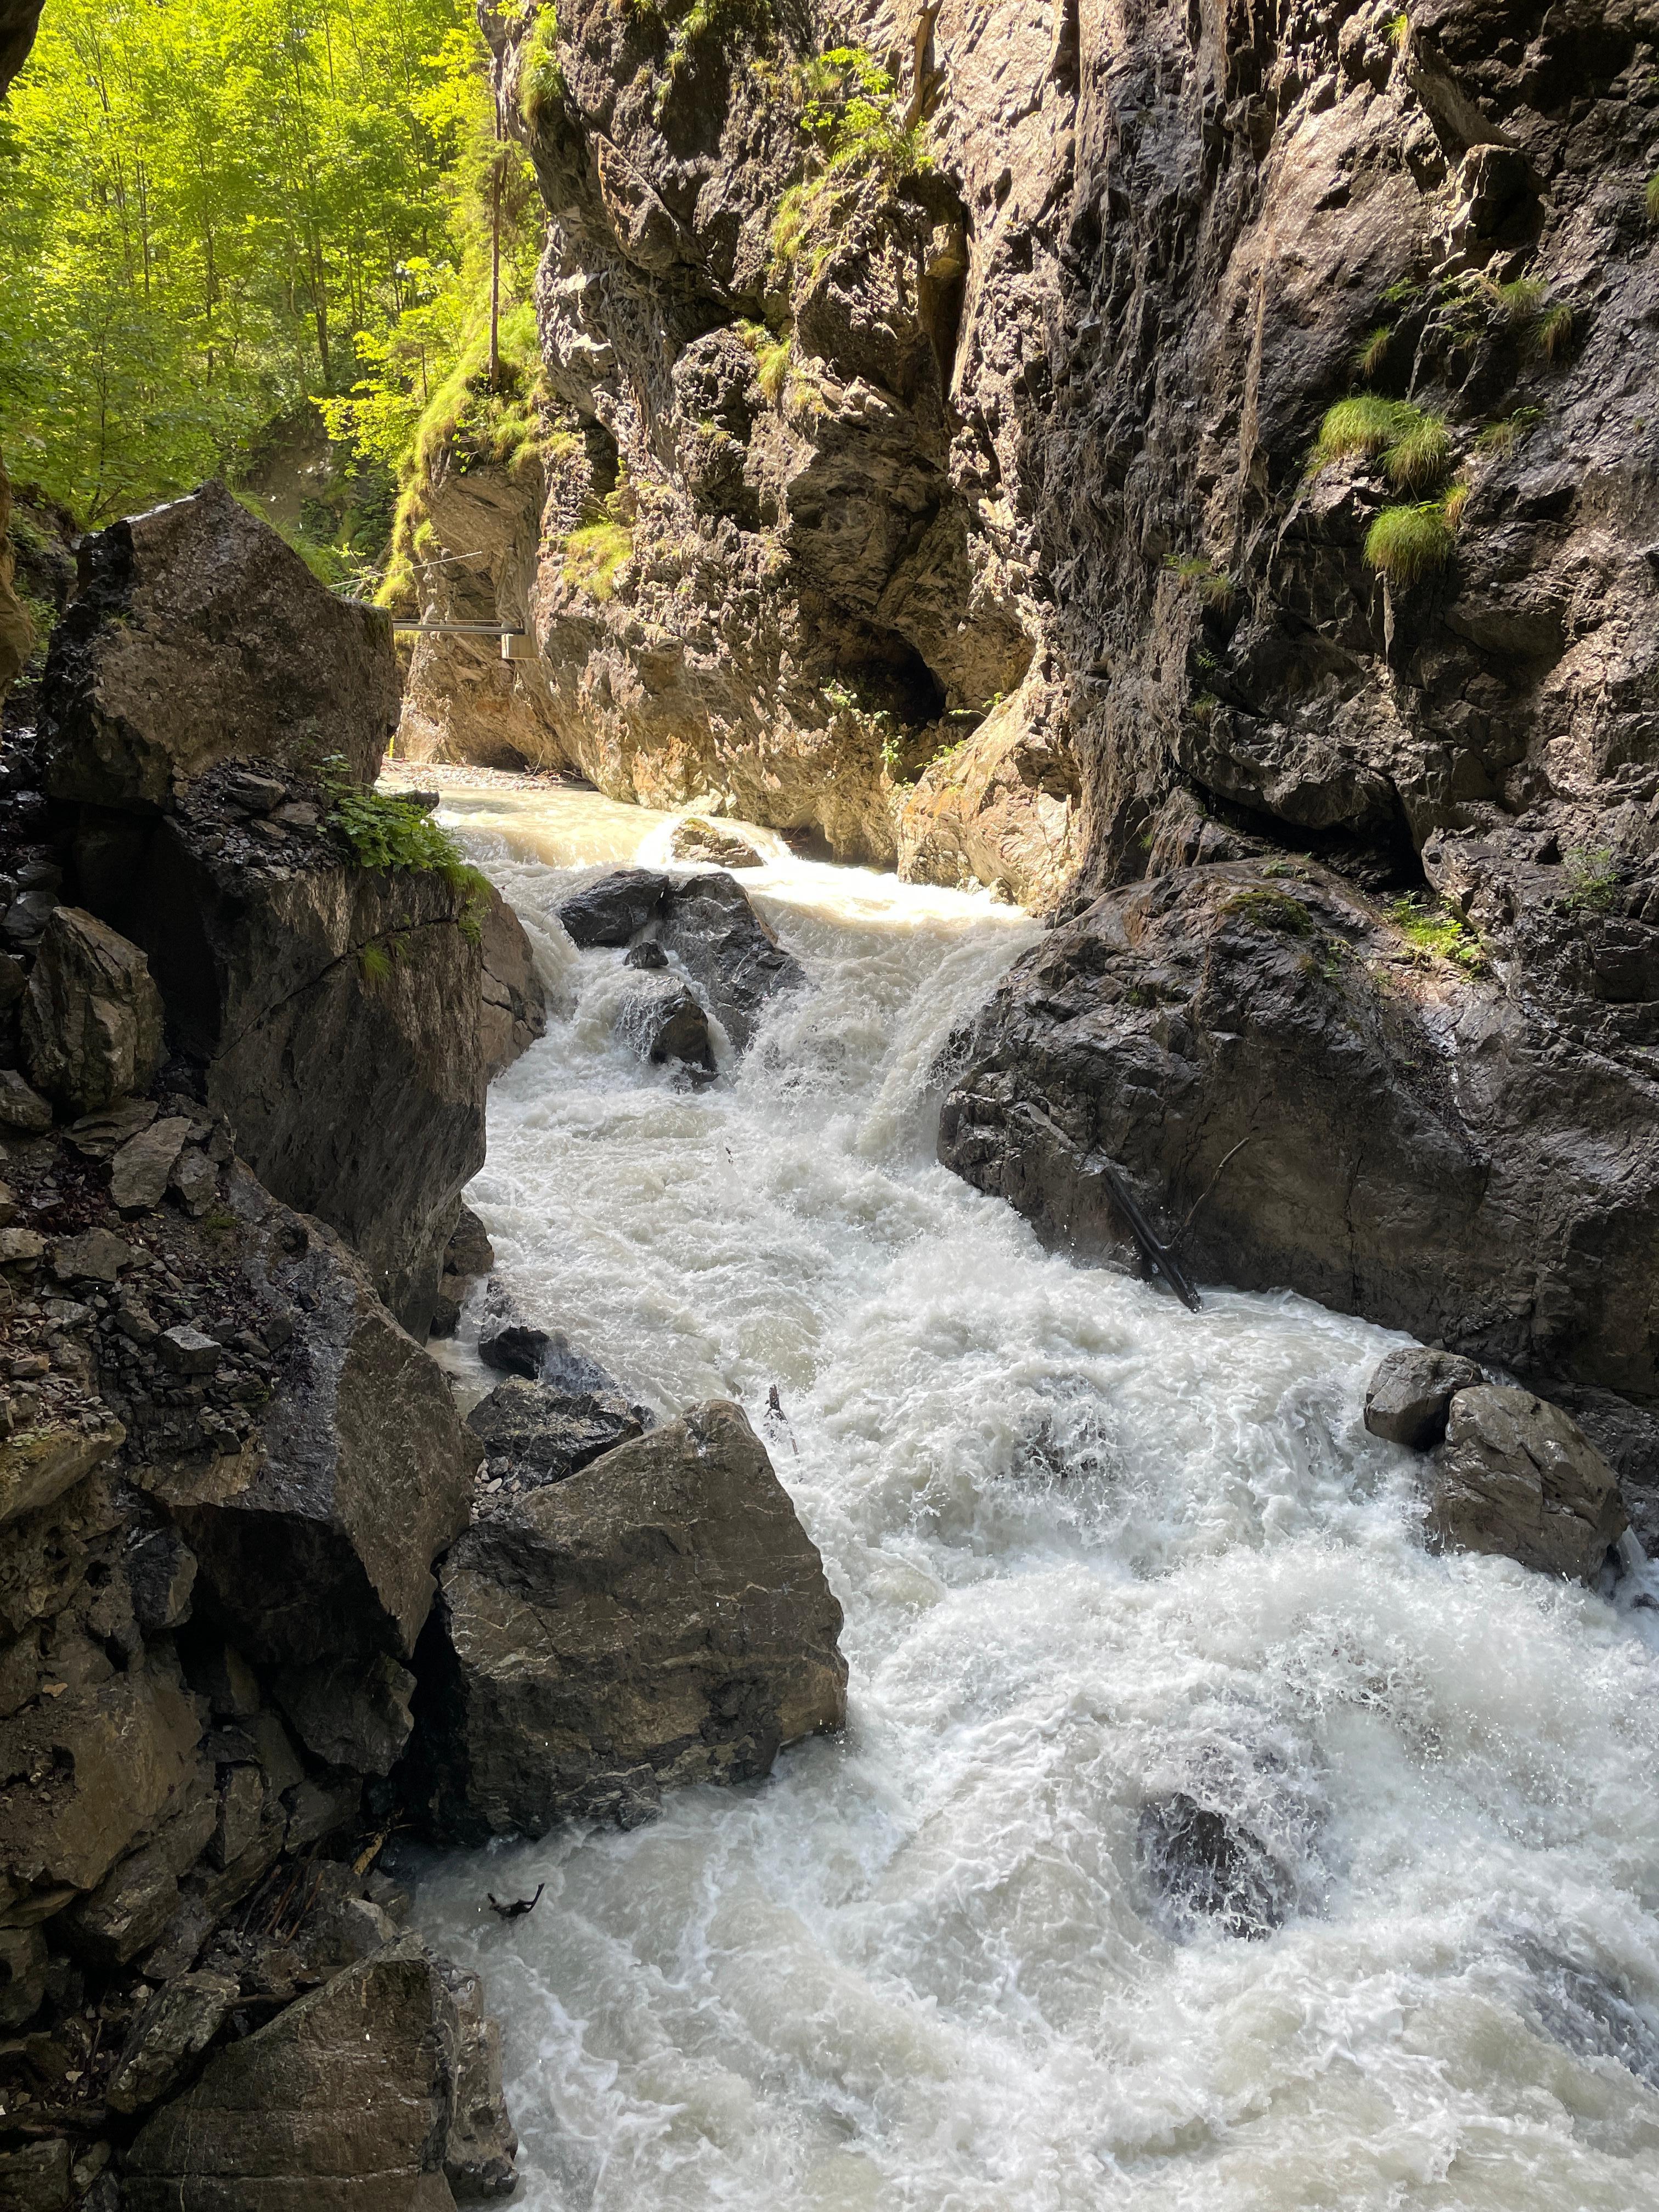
x,y
1191,438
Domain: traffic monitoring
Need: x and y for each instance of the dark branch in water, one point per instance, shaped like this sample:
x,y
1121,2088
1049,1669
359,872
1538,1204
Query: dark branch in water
x,y
517,1907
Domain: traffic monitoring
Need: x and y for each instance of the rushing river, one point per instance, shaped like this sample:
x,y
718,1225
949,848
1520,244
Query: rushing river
x,y
1091,1550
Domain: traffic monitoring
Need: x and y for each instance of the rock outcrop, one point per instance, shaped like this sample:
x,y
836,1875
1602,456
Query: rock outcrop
x,y
1408,1397
660,1617
226,1469
1283,1075
361,2093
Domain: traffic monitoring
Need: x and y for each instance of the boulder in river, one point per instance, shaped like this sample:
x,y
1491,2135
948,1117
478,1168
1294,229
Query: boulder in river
x,y
660,1617
514,1002
198,634
1407,1398
609,912
711,844
1272,1067
710,927
1208,1865
663,1021
1517,1477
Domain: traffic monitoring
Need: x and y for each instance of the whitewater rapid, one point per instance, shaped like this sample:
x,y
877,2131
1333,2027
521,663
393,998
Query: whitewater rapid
x,y
1091,1549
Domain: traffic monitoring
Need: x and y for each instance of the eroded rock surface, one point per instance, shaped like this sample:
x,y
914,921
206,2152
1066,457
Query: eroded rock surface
x,y
1515,1476
660,1617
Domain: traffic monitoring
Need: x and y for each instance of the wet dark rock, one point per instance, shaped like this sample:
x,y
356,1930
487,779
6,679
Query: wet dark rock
x,y
351,1714
720,941
666,1023
349,2098
646,954
468,1255
1407,1398
92,1015
1309,1100
354,1091
320,1545
35,2177
1514,1476
533,1433
610,911
514,1001
1209,1866
199,635
21,1108
169,2035
531,1709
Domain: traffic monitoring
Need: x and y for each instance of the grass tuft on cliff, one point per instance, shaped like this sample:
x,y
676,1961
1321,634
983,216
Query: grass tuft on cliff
x,y
860,137
1415,446
594,555
1432,928
1407,544
1274,911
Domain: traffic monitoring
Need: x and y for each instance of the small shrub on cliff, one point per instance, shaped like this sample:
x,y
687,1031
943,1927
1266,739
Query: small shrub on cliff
x,y
1212,583
1592,877
1361,425
541,78
1436,929
1501,439
387,830
1407,544
1372,351
594,554
1555,329
860,134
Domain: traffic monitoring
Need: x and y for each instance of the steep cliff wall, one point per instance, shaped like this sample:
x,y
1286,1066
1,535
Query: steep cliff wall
x,y
1014,410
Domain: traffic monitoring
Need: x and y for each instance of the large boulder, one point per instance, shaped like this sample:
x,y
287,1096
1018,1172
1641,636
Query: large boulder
x,y
360,2097
1515,1476
1278,1073
335,1012
723,944
610,911
662,1020
661,1617
92,1015
198,634
317,1539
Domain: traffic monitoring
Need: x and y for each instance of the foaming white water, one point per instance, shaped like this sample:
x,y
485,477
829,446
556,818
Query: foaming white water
x,y
1092,1549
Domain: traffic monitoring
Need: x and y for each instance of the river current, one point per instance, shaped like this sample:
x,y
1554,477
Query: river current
x,y
1092,1549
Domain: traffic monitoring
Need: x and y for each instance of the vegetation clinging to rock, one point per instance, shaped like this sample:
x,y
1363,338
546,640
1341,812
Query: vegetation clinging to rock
x,y
1407,544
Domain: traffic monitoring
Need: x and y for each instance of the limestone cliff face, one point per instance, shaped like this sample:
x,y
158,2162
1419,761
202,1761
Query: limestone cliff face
x,y
1039,440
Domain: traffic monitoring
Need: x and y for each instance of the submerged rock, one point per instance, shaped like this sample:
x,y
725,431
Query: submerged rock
x,y
665,1022
712,845
1517,1477
659,1618
1407,1398
1209,1866
710,927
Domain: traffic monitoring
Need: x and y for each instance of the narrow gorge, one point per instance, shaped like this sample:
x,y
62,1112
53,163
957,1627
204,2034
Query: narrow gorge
x,y
828,1246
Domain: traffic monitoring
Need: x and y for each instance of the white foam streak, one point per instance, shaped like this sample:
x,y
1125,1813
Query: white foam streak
x,y
1091,1549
